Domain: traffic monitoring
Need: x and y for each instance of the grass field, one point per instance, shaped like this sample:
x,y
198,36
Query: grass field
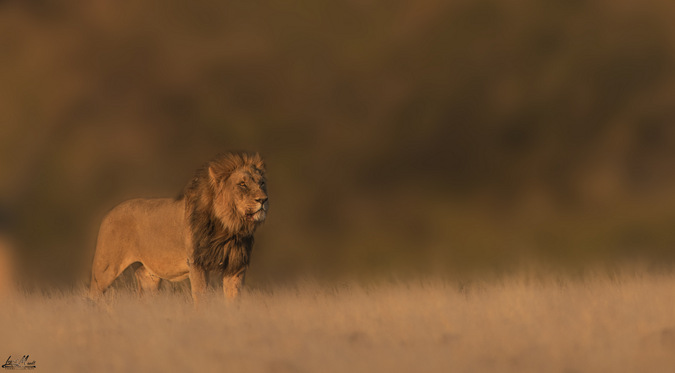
x,y
522,323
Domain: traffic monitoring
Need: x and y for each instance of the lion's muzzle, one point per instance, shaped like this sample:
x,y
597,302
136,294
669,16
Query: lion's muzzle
x,y
259,212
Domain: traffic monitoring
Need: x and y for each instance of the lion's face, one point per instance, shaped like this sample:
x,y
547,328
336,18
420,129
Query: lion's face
x,y
249,194
241,196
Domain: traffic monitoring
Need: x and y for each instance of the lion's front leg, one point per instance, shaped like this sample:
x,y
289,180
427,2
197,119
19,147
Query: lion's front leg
x,y
198,281
232,284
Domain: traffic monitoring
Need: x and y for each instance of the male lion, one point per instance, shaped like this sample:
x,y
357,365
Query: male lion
x,y
209,227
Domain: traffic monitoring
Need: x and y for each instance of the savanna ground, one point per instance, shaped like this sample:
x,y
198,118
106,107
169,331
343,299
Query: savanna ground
x,y
519,323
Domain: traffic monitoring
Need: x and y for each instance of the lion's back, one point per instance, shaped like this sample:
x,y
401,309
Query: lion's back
x,y
143,225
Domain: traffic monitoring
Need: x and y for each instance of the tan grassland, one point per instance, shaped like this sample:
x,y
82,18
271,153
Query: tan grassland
x,y
523,323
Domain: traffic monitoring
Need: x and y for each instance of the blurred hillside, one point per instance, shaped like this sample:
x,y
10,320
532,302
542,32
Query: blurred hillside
x,y
400,137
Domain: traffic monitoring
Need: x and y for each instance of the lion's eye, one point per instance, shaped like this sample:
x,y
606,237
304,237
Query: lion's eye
x,y
242,185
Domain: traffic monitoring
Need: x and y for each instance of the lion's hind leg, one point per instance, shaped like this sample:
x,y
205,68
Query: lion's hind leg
x,y
102,276
147,282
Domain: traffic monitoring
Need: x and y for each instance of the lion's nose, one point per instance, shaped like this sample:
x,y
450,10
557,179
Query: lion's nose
x,y
261,200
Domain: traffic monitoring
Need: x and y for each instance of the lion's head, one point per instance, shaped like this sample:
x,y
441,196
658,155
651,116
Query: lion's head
x,y
226,200
240,193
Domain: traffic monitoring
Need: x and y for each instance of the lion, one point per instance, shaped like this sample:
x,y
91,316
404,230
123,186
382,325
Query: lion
x,y
209,227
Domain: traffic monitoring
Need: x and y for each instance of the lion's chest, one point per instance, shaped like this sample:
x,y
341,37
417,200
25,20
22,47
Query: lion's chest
x,y
228,254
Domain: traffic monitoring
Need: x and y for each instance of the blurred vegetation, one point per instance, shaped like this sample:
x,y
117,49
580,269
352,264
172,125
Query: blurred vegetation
x,y
400,136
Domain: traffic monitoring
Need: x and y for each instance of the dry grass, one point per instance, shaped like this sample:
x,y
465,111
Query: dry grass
x,y
517,324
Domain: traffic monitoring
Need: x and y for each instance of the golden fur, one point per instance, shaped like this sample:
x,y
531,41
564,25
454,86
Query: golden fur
x,y
209,227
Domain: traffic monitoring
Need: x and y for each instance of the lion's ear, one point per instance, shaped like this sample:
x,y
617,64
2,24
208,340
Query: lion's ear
x,y
213,175
259,163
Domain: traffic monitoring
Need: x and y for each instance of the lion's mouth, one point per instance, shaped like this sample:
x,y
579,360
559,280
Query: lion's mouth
x,y
258,215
